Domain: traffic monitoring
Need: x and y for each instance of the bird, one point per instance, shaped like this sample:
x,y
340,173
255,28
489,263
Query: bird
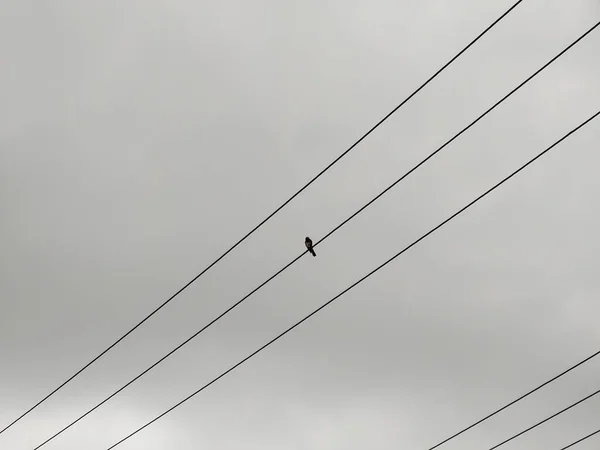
x,y
309,246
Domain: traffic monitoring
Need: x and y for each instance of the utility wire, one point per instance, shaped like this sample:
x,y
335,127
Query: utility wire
x,y
268,217
545,420
581,440
264,283
489,416
531,161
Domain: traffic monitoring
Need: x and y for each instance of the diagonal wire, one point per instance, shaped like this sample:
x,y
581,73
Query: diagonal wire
x,y
406,100
508,405
531,161
547,419
264,283
579,441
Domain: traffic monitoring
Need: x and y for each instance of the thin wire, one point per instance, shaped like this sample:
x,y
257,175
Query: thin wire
x,y
551,380
264,283
536,73
545,420
581,440
531,161
269,216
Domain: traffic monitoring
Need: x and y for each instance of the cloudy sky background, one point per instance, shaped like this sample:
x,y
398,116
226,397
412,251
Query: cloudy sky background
x,y
138,142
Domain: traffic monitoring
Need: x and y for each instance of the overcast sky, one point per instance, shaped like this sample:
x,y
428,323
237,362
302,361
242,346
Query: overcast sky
x,y
139,140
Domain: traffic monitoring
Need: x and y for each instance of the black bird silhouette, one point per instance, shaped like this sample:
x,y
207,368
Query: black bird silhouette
x,y
309,246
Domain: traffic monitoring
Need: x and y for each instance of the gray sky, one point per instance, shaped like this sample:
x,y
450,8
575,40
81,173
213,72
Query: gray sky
x,y
138,142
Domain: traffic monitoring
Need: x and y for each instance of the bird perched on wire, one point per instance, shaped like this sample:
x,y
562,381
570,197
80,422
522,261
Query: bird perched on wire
x,y
309,246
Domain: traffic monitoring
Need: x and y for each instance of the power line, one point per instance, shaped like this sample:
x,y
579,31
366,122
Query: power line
x,y
359,281
508,405
579,441
268,217
264,283
547,419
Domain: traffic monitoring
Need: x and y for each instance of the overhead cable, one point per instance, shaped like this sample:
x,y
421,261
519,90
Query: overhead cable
x,y
579,441
547,419
522,397
264,283
531,161
271,215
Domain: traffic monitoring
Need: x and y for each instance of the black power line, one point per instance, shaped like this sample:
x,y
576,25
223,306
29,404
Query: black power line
x,y
267,218
489,416
579,441
359,281
547,419
264,283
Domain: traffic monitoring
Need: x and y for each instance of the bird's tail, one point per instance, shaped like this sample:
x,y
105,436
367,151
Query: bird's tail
x,y
312,252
